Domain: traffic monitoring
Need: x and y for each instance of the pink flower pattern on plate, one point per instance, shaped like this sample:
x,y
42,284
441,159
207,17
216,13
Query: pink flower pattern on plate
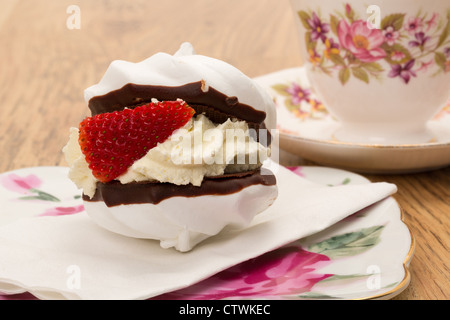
x,y
298,94
61,211
413,25
390,35
18,184
290,270
297,170
300,100
27,186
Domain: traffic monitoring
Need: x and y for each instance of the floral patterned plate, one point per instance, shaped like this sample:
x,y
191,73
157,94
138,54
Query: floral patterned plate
x,y
37,191
306,129
365,256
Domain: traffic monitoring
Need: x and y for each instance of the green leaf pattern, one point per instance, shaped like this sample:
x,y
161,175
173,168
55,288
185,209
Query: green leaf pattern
x,y
348,244
341,246
40,195
394,20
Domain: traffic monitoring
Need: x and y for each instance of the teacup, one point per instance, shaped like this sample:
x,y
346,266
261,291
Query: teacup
x,y
381,67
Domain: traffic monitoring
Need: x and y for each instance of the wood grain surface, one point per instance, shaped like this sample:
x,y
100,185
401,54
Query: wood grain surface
x,y
45,66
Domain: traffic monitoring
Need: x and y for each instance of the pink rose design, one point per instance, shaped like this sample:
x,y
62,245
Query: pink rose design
x,y
287,271
18,296
362,42
23,185
297,170
62,211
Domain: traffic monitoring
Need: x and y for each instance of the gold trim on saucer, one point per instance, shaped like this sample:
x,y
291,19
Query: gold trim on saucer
x,y
407,278
335,140
377,145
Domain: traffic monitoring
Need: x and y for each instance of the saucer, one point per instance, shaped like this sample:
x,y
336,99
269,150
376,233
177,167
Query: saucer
x,y
306,129
364,256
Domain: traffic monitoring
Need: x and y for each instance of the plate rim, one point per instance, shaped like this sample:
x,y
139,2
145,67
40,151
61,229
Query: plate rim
x,y
369,146
403,284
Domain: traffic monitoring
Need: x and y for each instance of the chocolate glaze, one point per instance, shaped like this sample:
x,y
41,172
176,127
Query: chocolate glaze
x,y
114,193
133,94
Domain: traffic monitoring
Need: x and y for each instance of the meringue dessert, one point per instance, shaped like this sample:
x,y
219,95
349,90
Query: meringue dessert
x,y
174,149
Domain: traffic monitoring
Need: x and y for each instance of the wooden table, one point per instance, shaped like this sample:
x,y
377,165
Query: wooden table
x,y
45,66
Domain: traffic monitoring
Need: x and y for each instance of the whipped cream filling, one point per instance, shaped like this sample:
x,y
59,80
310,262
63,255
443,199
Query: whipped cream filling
x,y
198,149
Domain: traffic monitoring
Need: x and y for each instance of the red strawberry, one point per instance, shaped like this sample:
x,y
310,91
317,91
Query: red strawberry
x,y
112,142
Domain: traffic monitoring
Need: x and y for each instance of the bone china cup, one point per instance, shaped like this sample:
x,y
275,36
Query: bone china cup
x,y
381,67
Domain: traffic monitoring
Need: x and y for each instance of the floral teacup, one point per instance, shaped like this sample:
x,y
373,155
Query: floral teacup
x,y
382,67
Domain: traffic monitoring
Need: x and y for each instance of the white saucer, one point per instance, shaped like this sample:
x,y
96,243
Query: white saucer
x,y
307,131
364,256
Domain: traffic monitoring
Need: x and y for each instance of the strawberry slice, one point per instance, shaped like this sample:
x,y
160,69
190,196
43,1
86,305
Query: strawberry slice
x,y
112,142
